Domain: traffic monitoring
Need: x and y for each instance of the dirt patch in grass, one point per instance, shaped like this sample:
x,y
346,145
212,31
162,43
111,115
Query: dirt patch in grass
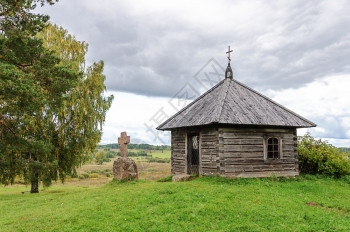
x,y
340,210
312,203
154,171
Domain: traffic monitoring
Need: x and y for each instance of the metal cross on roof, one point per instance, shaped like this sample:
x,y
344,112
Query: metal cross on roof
x,y
228,52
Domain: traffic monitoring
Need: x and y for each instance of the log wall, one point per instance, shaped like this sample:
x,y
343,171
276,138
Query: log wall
x,y
241,152
236,152
209,152
178,152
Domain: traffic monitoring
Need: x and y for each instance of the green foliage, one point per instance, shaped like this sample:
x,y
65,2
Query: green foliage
x,y
166,179
137,146
203,204
84,175
111,154
159,160
142,153
93,175
319,157
65,46
136,154
52,108
16,16
110,146
101,156
32,84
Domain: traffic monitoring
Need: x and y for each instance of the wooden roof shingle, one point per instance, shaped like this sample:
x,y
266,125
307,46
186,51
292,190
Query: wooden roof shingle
x,y
233,103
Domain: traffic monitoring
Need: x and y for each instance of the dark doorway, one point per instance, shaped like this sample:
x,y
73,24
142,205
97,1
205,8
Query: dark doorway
x,y
193,154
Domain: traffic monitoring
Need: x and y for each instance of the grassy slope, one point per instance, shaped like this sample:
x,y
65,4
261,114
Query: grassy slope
x,y
203,204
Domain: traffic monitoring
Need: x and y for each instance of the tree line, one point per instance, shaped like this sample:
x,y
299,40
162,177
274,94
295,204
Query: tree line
x,y
142,146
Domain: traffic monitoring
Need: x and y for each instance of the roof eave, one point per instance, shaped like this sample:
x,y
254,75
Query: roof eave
x,y
236,125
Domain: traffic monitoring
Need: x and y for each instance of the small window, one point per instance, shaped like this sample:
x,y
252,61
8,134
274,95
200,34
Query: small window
x,y
273,148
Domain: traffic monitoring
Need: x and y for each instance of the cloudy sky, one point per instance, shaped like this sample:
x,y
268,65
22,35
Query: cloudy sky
x,y
158,52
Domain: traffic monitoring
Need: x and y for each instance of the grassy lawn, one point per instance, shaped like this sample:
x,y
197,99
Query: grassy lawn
x,y
203,204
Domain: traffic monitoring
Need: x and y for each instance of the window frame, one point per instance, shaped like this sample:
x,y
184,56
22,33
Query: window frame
x,y
266,150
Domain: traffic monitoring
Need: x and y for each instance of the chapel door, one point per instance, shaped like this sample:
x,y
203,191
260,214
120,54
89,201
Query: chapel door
x,y
193,154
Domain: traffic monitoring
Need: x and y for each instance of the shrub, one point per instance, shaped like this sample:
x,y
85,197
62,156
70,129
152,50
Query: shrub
x,y
111,154
93,175
131,154
84,175
100,157
141,153
74,174
319,157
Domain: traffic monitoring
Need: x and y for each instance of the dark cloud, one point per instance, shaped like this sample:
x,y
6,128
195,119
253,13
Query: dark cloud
x,y
155,53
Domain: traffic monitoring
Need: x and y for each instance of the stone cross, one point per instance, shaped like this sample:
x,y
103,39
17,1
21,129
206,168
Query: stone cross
x,y
228,56
123,141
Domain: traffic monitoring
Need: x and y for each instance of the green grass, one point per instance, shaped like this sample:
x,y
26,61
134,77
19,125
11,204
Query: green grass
x,y
154,153
204,204
159,154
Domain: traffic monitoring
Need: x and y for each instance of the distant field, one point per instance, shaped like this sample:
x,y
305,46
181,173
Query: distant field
x,y
154,153
306,203
166,153
161,154
147,170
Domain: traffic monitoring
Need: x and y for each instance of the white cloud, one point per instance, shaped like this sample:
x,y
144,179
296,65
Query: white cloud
x,y
300,49
324,101
320,102
131,113
295,41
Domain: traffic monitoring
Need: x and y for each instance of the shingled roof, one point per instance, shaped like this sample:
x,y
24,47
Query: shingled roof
x,y
233,103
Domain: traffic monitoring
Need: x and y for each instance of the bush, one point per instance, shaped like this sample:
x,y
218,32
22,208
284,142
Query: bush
x,y
74,174
131,154
93,175
141,153
319,157
84,176
100,157
111,154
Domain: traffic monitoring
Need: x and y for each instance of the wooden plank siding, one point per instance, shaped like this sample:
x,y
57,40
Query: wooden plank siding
x,y
178,152
209,145
242,152
236,152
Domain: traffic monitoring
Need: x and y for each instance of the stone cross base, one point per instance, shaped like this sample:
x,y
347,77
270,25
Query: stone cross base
x,y
125,168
